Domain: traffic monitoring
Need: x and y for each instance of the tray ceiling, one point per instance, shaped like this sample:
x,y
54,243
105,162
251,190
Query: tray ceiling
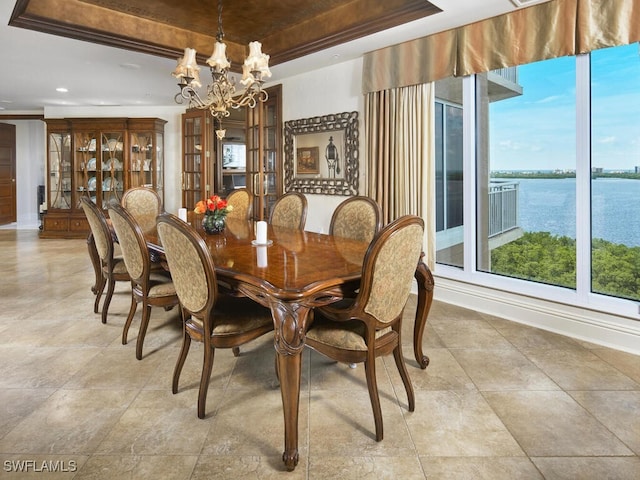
x,y
287,29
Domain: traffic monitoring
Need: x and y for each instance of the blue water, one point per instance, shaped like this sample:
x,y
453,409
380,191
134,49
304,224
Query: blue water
x,y
549,205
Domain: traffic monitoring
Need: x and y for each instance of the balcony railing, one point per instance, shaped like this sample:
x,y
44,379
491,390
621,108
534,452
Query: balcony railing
x,y
503,207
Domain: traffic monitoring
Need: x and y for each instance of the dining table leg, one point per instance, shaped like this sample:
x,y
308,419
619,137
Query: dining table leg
x,y
426,284
290,327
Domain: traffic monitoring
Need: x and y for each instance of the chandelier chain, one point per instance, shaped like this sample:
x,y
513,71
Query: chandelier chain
x,y
220,34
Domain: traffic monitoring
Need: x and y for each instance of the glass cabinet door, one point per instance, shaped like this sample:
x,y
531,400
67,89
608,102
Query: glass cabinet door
x,y
87,166
145,167
159,164
263,153
141,168
197,144
112,149
60,183
271,148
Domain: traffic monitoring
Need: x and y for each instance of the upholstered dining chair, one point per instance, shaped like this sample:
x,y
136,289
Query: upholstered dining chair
x,y
358,218
109,268
218,321
290,211
369,326
241,201
149,286
144,204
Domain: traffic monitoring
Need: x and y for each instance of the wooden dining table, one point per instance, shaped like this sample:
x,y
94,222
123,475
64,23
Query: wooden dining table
x,y
296,272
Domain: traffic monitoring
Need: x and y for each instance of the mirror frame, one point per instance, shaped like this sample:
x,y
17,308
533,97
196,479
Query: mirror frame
x,y
347,184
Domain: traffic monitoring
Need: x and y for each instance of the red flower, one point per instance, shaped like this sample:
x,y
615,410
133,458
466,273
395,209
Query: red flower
x,y
213,205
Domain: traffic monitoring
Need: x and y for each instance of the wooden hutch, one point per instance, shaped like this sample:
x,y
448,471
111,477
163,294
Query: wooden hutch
x,y
99,158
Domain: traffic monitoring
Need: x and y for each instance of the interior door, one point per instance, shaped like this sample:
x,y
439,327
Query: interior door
x,y
7,173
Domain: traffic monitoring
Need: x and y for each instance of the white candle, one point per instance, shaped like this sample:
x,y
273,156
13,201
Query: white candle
x,y
262,257
182,214
261,232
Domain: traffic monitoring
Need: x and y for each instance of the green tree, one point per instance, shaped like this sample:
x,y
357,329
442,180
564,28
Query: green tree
x,y
545,258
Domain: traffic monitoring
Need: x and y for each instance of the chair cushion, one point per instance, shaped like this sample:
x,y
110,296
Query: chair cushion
x,y
161,286
344,335
118,266
233,315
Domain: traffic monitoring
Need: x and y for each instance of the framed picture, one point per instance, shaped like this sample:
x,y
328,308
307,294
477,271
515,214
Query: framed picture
x,y
307,160
321,154
234,155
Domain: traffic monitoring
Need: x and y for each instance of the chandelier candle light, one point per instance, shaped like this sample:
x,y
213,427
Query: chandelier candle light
x,y
221,94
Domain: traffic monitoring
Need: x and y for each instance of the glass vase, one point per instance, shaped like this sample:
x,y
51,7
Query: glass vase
x,y
213,224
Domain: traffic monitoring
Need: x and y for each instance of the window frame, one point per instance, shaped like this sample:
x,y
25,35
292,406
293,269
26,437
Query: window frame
x,y
581,297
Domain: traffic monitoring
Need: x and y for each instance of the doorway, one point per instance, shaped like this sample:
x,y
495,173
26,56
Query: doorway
x,y
7,173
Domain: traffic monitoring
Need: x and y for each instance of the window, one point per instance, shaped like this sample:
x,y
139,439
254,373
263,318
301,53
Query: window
x,y
449,173
526,160
615,167
553,169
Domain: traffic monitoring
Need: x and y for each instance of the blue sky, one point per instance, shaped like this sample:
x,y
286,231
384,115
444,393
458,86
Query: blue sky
x,y
538,129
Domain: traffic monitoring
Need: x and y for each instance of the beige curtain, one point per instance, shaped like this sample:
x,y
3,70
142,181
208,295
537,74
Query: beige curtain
x,y
547,30
399,132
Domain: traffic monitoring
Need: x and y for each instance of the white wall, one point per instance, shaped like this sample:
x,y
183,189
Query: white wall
x,y
334,89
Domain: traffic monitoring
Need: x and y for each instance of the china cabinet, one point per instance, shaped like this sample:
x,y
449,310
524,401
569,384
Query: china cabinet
x,y
198,150
98,158
249,154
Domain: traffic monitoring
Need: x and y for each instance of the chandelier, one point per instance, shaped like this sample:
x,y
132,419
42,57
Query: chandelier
x,y
221,94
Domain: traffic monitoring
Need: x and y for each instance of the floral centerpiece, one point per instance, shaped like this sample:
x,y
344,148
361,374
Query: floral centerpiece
x,y
215,211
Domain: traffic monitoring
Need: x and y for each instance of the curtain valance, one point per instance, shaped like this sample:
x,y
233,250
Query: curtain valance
x,y
547,30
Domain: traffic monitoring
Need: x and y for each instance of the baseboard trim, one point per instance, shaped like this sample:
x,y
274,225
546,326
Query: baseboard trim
x,y
600,328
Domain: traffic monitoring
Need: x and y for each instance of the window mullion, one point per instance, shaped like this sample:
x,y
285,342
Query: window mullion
x,y
583,176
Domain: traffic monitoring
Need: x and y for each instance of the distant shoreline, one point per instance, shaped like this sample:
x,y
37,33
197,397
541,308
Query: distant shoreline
x,y
513,174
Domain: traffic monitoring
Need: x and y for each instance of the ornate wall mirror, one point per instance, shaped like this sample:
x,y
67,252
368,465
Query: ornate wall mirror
x,y
321,154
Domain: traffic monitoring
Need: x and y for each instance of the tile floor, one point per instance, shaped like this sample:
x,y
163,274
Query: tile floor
x,y
499,400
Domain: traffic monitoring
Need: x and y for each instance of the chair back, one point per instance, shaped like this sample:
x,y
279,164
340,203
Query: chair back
x,y
99,229
389,267
357,218
241,202
144,204
289,211
190,264
132,244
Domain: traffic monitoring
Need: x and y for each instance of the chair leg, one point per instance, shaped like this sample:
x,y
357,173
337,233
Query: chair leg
x,y
127,324
186,343
404,373
236,351
99,288
107,299
204,380
96,263
144,324
372,384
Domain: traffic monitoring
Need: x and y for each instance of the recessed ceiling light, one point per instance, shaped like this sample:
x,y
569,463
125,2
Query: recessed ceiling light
x,y
130,66
61,90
